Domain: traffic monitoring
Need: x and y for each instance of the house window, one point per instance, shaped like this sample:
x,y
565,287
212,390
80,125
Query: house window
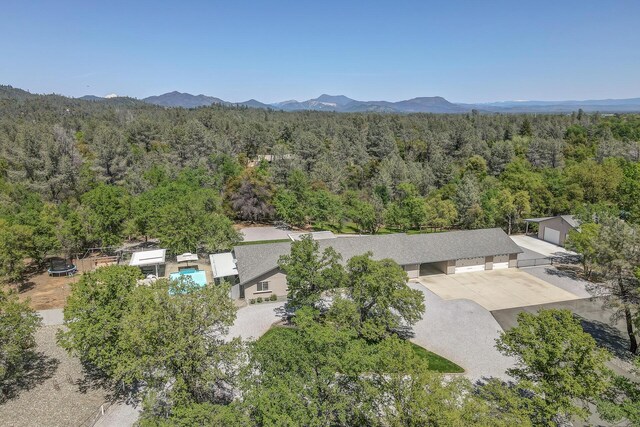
x,y
263,286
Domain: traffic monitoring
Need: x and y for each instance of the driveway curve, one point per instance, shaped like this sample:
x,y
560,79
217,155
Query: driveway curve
x,y
254,320
463,332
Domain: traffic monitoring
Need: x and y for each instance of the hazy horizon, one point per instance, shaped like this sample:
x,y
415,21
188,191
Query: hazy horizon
x,y
468,52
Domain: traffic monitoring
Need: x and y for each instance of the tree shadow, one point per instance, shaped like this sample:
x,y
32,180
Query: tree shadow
x,y
608,337
25,286
404,332
92,379
564,272
39,368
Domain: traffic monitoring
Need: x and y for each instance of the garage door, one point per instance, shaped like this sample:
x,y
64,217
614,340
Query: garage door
x,y
500,261
551,235
467,265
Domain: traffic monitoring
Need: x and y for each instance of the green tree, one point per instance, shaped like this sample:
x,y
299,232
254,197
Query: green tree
x,y
186,226
441,213
173,333
512,207
312,375
584,242
93,316
327,209
526,128
558,362
310,273
380,296
107,208
622,401
18,324
618,256
628,193
14,248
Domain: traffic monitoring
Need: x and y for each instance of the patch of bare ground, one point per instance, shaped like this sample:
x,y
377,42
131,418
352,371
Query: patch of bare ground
x,y
56,392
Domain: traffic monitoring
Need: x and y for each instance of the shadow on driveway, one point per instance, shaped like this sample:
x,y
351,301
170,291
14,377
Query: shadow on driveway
x,y
595,317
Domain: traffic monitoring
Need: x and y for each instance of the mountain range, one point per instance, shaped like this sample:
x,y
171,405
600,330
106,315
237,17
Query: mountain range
x,y
341,103
431,104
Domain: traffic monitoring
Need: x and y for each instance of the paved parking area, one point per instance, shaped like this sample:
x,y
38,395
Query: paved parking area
x,y
540,246
256,234
496,289
254,320
463,332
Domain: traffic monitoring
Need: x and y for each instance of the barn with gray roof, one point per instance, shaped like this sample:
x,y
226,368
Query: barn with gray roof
x,y
451,252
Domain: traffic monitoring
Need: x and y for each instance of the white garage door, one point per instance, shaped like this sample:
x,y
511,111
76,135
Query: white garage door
x,y
500,265
551,235
467,265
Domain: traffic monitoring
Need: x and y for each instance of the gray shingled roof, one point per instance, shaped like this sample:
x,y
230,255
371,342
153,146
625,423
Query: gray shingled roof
x,y
570,219
256,260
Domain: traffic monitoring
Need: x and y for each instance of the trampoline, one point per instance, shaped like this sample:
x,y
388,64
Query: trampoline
x,y
62,270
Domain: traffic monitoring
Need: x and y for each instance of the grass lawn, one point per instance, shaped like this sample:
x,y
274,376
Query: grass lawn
x,y
436,363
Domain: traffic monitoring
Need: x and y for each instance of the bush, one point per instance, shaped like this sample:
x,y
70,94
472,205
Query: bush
x,y
273,297
259,299
252,301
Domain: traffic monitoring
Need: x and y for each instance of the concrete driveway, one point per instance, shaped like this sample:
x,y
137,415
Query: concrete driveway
x,y
496,289
540,246
254,320
463,332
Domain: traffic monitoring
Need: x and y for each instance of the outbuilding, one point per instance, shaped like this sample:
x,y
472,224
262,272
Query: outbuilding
x,y
554,229
451,252
150,262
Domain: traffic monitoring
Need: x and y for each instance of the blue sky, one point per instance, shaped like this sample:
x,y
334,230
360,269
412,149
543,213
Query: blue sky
x,y
465,51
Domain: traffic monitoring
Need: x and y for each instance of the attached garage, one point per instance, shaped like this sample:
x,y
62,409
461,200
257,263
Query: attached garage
x,y
466,265
500,261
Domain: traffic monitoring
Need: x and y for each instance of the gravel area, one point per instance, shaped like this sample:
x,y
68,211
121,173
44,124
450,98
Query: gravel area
x,y
463,332
57,394
54,316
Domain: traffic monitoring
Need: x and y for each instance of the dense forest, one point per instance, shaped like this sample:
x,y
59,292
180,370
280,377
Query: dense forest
x,y
77,174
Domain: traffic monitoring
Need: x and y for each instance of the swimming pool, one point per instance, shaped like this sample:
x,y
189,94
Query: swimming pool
x,y
198,276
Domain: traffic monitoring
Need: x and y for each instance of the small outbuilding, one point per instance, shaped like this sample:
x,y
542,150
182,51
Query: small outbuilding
x,y
150,262
554,229
224,268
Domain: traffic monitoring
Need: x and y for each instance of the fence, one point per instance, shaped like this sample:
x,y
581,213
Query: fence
x,y
561,259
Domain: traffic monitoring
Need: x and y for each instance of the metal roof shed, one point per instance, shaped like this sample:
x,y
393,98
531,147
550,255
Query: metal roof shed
x,y
152,258
223,265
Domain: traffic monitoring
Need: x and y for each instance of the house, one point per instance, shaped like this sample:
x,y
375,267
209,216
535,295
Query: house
x,y
554,229
419,254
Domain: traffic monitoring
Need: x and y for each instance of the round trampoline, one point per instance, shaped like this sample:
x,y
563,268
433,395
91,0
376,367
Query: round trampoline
x,y
63,270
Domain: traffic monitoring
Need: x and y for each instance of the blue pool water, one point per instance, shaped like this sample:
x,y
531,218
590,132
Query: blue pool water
x,y
198,276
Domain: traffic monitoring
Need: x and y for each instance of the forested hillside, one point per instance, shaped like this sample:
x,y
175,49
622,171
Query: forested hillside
x,y
77,173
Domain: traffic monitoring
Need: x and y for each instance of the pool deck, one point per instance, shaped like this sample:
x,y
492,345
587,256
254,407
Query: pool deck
x,y
173,267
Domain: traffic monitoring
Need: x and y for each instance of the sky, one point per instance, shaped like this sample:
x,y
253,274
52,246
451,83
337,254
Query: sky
x,y
465,51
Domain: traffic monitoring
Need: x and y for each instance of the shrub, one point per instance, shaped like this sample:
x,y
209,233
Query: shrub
x,y
259,299
273,297
252,301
